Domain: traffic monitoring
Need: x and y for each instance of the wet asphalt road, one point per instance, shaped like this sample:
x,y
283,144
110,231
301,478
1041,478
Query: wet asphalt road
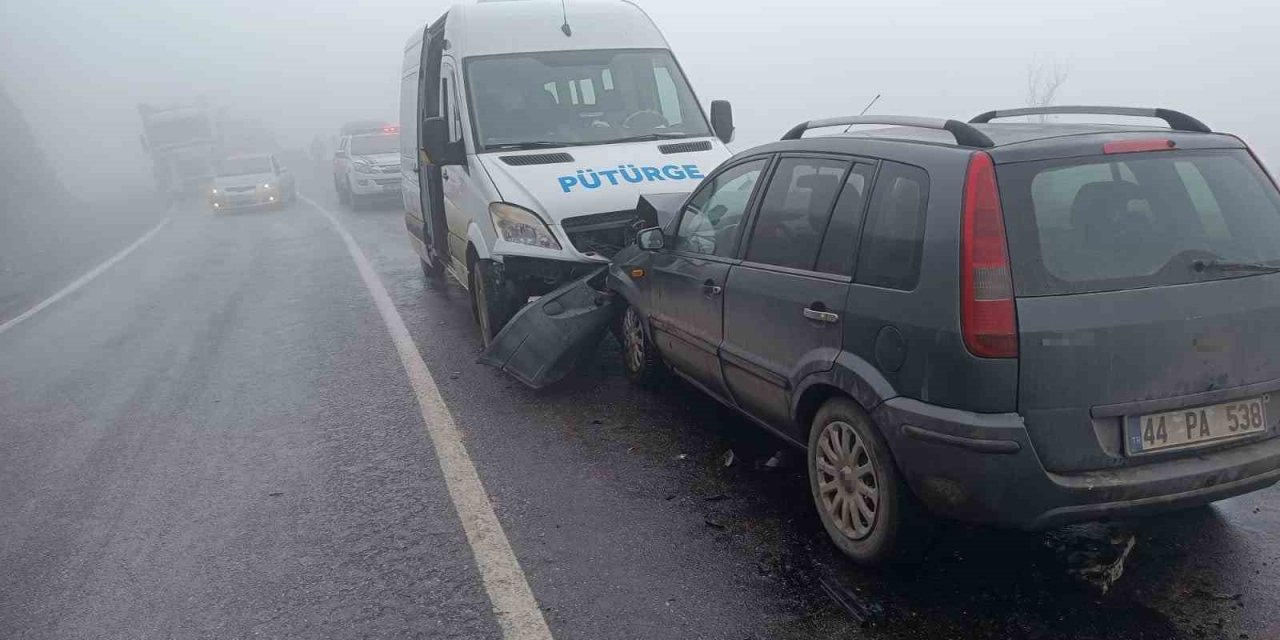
x,y
216,438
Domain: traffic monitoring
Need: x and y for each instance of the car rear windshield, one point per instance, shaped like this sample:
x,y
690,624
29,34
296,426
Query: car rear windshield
x,y
1134,220
370,145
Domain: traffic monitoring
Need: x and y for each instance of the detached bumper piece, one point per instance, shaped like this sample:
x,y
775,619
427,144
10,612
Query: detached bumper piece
x,y
541,344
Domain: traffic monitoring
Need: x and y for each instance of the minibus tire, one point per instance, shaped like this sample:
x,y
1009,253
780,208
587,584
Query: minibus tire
x,y
487,303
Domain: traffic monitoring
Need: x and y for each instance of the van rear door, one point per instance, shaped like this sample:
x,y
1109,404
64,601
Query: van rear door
x,y
1145,286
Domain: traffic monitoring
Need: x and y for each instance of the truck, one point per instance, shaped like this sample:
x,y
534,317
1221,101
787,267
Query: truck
x,y
182,141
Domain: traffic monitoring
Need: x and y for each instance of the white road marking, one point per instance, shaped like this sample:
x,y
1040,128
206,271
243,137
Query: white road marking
x,y
84,279
504,581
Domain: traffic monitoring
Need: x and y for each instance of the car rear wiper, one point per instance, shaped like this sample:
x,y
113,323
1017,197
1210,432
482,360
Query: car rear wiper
x,y
1229,265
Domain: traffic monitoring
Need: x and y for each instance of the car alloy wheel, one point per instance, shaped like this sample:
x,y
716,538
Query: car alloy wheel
x,y
848,480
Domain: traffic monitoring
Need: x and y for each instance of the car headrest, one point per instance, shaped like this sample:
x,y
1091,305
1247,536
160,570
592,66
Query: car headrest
x,y
1098,205
822,188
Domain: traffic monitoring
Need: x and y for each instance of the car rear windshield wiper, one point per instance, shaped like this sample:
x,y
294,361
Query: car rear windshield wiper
x,y
1230,265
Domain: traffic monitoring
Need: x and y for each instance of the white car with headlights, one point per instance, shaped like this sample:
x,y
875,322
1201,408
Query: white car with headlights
x,y
366,166
257,180
541,123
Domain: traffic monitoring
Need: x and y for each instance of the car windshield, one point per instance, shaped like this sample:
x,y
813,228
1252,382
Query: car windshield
x,y
247,165
580,97
1138,220
369,145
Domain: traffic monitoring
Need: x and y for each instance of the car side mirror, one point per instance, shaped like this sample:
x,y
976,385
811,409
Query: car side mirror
x,y
722,120
435,141
650,239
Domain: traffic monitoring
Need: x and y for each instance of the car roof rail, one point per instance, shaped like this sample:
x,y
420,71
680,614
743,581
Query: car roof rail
x,y
1177,120
965,134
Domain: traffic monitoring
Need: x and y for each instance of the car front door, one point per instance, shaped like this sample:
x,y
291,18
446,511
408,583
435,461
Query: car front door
x,y
783,302
689,275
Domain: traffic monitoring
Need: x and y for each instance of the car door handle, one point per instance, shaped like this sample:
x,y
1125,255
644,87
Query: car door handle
x,y
821,315
710,289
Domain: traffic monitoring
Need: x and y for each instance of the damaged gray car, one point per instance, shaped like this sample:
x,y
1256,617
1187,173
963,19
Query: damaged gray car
x,y
1025,325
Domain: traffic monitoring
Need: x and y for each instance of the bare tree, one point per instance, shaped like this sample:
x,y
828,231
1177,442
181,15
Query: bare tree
x,y
1044,78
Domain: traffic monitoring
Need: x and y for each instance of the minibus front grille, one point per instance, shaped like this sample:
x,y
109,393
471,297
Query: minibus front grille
x,y
604,233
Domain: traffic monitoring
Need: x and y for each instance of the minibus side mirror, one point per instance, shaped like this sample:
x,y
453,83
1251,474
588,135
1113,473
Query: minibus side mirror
x,y
722,120
650,239
435,141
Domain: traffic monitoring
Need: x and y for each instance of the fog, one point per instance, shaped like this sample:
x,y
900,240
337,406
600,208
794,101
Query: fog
x,y
77,69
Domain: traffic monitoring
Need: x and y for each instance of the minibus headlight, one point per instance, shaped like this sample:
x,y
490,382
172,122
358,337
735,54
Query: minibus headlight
x,y
522,226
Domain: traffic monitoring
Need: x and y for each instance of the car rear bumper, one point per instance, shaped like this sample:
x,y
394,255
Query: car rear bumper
x,y
983,468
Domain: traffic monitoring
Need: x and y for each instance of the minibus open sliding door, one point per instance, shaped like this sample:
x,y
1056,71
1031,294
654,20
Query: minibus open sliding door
x,y
435,230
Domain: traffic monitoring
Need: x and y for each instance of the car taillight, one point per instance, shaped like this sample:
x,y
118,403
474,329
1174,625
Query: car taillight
x,y
987,316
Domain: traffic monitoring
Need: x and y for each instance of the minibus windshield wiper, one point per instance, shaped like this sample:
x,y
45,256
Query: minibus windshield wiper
x,y
1230,265
656,135
534,144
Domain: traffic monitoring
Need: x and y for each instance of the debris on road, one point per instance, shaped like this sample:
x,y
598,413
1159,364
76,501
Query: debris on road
x,y
714,524
860,608
728,458
779,460
1094,553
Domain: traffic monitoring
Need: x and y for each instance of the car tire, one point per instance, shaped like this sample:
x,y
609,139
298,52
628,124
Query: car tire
x,y
640,358
856,488
487,305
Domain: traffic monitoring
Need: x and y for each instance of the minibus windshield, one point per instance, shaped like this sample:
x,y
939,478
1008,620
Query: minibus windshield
x,y
564,98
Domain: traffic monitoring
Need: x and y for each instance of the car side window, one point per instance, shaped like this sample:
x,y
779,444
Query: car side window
x,y
795,211
711,220
840,245
889,254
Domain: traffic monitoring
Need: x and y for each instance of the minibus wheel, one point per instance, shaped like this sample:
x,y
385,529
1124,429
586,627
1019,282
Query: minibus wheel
x,y
485,301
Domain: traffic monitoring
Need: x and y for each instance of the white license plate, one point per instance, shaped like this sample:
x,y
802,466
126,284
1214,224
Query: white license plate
x,y
1198,425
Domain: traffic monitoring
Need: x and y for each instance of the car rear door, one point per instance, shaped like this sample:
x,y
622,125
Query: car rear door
x,y
688,277
783,302
1142,289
